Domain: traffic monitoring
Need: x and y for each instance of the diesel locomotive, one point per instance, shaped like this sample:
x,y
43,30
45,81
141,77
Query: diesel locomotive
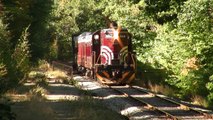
x,y
105,55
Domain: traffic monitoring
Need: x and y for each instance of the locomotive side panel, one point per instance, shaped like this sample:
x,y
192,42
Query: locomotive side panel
x,y
80,54
84,50
88,55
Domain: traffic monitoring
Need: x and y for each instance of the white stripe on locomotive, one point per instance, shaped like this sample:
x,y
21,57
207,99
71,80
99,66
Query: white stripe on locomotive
x,y
108,52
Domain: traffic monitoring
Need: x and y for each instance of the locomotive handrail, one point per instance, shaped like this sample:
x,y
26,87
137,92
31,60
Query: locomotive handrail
x,y
134,61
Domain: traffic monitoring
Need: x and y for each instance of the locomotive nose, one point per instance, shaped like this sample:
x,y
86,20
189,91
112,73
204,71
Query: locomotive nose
x,y
115,42
116,48
116,34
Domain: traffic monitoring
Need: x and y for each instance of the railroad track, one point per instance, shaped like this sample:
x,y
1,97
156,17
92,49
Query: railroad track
x,y
153,102
170,108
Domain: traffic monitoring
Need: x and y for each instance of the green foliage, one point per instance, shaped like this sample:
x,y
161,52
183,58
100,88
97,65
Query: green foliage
x,y
8,76
209,86
174,36
5,111
64,25
3,73
90,17
71,17
3,70
17,17
19,14
184,49
39,38
22,54
196,25
163,11
12,60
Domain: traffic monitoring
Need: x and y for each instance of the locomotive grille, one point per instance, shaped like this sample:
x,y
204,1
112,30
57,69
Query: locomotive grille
x,y
124,36
115,62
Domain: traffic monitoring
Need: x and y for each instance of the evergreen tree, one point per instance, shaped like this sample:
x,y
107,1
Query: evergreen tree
x,y
8,76
22,54
39,32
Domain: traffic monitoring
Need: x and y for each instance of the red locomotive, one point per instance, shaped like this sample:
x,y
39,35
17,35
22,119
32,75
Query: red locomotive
x,y
106,55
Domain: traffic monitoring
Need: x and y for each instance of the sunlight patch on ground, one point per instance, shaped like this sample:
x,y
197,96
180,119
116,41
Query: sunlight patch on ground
x,y
29,84
142,96
79,78
113,96
131,110
56,74
89,85
61,97
61,92
61,85
18,97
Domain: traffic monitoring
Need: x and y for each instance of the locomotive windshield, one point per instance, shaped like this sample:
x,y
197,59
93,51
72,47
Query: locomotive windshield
x,y
124,36
109,34
117,34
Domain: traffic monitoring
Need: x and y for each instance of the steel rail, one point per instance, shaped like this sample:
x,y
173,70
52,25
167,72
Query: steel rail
x,y
63,67
150,107
182,106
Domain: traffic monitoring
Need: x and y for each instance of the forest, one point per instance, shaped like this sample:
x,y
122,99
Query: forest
x,y
173,39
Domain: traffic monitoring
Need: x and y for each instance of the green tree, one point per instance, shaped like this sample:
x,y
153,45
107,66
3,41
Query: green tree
x,y
8,76
39,32
90,17
72,17
16,17
63,23
22,54
196,26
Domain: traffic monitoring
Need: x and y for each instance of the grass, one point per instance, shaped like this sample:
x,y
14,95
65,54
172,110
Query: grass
x,y
153,84
172,92
154,87
90,109
5,109
199,100
166,90
35,109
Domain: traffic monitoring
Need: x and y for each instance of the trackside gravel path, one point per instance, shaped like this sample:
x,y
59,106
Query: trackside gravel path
x,y
57,101
131,108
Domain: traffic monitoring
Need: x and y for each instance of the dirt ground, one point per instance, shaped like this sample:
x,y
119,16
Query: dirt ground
x,y
57,101
52,103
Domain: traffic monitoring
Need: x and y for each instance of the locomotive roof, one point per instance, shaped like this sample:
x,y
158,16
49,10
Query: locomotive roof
x,y
85,34
85,37
107,29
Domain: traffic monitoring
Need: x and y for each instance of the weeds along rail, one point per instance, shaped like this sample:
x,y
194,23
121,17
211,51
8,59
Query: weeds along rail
x,y
170,108
63,66
181,105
